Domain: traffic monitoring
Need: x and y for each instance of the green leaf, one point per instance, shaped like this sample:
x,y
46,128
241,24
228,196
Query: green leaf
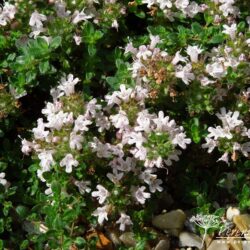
x,y
141,14
56,188
241,26
56,42
44,67
91,50
196,28
22,211
6,207
80,242
218,38
30,76
1,226
24,245
208,18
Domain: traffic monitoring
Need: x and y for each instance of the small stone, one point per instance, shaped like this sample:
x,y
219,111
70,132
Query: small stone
x,y
246,245
218,245
187,239
163,245
128,239
209,239
231,212
243,224
235,244
172,221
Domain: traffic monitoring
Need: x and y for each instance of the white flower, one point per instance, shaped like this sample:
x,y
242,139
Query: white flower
x,y
229,119
120,120
115,24
36,31
101,213
164,3
92,108
102,150
124,221
133,138
230,30
178,58
181,4
68,161
102,122
149,2
224,158
75,141
192,9
143,52
124,93
113,99
83,186
140,195
174,156
210,144
81,123
154,185
56,121
9,10
48,191
216,70
120,164
60,7
185,73
115,177
245,149
163,123
77,39
219,132
80,16
140,93
36,19
205,81
181,140
46,160
136,66
129,48
2,180
193,52
52,108
39,132
67,84
7,13
228,8
143,121
157,162
101,194
27,146
154,41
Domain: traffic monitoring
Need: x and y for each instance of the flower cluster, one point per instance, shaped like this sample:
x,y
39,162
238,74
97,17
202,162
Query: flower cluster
x,y
172,8
142,143
7,13
150,64
111,8
232,137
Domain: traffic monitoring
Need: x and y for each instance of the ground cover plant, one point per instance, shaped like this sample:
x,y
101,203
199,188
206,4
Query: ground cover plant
x,y
124,124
